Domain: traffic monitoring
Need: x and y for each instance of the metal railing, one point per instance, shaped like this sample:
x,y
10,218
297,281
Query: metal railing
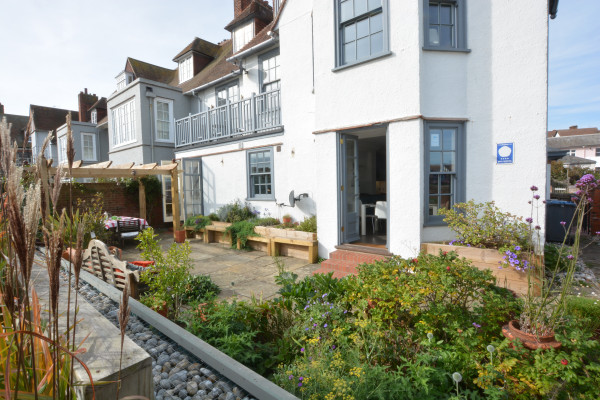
x,y
258,113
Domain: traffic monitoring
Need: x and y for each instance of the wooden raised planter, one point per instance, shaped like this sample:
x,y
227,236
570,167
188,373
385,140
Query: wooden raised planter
x,y
484,259
216,233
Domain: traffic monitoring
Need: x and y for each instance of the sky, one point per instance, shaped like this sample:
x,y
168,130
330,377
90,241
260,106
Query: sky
x,y
52,50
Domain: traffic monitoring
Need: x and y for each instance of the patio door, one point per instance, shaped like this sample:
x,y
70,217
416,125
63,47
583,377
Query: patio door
x,y
349,188
192,187
167,198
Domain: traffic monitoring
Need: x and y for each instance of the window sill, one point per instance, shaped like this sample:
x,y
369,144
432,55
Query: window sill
x,y
124,144
164,141
446,49
260,198
355,63
435,224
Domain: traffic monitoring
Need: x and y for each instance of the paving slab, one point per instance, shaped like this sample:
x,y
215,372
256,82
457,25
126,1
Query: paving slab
x,y
252,271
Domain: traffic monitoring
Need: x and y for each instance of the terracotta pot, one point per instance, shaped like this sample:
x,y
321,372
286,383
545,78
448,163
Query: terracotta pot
x,y
180,236
512,331
162,311
287,220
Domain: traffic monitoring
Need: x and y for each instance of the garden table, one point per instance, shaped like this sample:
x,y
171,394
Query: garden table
x,y
111,223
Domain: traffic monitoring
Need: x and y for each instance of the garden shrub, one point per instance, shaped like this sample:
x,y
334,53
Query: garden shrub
x,y
241,230
213,217
308,225
555,257
199,288
586,312
485,225
197,222
235,212
267,221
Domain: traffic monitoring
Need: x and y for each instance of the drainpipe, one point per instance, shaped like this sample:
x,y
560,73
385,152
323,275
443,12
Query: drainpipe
x,y
150,96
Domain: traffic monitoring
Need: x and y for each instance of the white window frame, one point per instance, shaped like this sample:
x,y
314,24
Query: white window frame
x,y
571,152
123,124
93,136
94,117
124,79
597,151
249,175
171,133
186,69
272,75
62,149
243,35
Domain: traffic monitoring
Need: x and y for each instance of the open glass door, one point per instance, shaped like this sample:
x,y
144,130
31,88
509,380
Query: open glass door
x,y
167,199
350,193
192,187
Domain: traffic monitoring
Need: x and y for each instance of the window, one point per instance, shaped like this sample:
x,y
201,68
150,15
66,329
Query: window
x,y
186,70
445,25
571,153
62,149
362,30
269,71
88,147
164,117
597,151
229,92
242,36
444,168
260,174
123,124
94,117
124,79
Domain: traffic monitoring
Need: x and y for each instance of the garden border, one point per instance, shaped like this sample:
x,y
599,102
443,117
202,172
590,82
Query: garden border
x,y
255,384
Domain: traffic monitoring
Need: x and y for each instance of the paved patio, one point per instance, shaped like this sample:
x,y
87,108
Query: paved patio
x,y
239,273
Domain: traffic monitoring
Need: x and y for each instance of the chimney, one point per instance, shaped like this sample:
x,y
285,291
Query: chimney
x,y
573,127
239,6
85,102
1,108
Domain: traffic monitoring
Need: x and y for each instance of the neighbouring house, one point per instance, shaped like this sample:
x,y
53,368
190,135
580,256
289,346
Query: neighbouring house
x,y
409,106
90,138
44,121
18,134
582,143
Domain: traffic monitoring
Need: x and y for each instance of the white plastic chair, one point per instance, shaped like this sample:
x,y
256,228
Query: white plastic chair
x,y
380,213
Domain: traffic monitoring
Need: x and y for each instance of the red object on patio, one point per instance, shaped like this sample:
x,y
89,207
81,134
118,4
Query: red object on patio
x,y
143,264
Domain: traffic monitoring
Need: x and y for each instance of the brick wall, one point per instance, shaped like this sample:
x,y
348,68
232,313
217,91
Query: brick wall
x,y
239,6
117,201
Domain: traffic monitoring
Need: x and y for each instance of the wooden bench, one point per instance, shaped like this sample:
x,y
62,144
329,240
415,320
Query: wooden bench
x,y
265,241
210,232
312,247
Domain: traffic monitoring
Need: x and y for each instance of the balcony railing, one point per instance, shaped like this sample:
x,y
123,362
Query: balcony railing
x,y
259,113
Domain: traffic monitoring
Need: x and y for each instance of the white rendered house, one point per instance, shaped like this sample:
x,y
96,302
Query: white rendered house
x,y
362,101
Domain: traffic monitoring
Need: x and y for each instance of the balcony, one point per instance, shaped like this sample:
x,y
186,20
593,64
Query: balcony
x,y
258,114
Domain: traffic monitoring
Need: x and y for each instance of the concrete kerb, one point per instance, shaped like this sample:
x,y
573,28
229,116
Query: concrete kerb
x,y
253,383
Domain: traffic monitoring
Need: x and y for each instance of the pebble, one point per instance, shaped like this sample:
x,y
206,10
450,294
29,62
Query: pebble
x,y
206,385
162,359
192,388
165,384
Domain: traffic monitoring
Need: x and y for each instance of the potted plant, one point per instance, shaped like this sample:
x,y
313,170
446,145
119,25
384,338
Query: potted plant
x,y
287,219
545,303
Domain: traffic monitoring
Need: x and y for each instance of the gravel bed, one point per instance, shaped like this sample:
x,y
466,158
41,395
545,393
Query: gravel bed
x,y
177,374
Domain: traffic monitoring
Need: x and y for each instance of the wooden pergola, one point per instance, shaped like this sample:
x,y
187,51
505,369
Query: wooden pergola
x,y
129,170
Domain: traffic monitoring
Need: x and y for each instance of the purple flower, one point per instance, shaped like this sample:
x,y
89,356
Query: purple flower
x,y
570,257
314,325
299,384
324,295
517,248
301,379
530,220
333,347
538,227
345,311
302,350
291,377
325,326
306,329
563,223
476,325
306,307
533,188
537,197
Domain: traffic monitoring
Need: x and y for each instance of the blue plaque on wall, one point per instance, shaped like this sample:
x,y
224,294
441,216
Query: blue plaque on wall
x,y
505,153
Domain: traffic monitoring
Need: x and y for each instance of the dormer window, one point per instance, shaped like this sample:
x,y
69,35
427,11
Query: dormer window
x,y
186,70
124,79
94,117
243,35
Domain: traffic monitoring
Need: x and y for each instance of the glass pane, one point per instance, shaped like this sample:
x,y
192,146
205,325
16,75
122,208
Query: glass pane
x,y
362,48
349,33
377,23
433,14
446,202
449,142
434,35
377,43
435,159
373,4
445,184
434,139
346,10
362,28
360,7
433,205
349,52
446,14
446,36
449,162
433,184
